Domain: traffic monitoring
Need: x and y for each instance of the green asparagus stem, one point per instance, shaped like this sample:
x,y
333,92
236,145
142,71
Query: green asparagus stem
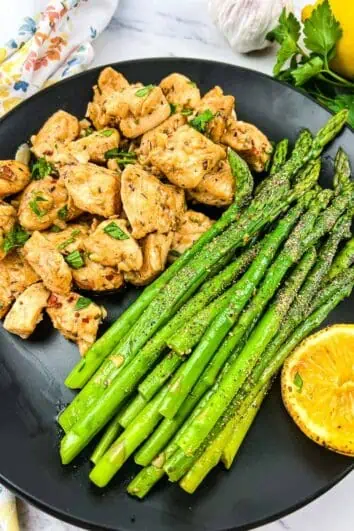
x,y
113,365
127,442
312,321
236,429
243,177
241,368
242,292
109,436
342,174
155,380
131,411
279,157
343,260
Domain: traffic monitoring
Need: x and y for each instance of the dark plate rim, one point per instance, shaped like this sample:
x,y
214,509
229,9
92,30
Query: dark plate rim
x,y
87,524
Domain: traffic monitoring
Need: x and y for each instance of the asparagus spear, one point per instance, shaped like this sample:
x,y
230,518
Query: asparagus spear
x,y
243,177
109,436
83,371
279,157
113,365
243,365
343,260
86,368
342,171
242,292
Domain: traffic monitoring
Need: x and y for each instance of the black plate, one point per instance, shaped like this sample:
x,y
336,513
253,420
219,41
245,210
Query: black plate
x,y
277,470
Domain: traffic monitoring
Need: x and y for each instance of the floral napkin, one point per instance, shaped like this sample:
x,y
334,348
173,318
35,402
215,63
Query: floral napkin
x,y
53,45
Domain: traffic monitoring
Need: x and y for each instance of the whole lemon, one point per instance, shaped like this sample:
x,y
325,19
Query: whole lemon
x,y
343,10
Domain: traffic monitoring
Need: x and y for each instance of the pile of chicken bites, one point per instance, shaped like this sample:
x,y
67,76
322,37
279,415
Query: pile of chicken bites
x,y
94,204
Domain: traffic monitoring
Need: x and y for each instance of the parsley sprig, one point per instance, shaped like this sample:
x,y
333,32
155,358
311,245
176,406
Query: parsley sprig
x,y
309,67
17,237
201,120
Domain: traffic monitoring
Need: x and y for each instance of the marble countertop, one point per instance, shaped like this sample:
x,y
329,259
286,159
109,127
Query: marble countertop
x,y
183,28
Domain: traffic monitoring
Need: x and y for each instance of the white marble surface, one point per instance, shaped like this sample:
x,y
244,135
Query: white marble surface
x,y
153,28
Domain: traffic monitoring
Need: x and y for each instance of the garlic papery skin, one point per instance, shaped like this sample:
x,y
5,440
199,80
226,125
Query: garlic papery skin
x,y
246,23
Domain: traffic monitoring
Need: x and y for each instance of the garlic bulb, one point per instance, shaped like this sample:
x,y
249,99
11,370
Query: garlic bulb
x,y
245,23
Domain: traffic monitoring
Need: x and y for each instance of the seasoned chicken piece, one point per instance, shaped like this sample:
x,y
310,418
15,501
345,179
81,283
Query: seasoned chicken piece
x,y
15,275
189,230
111,244
249,142
93,188
93,147
110,80
60,129
69,239
97,277
45,202
217,188
48,263
221,106
149,205
7,222
14,176
75,319
155,250
137,109
187,157
27,311
157,137
180,91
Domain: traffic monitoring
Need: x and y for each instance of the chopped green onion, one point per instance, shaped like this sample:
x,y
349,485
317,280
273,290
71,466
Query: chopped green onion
x,y
75,260
70,240
106,132
55,228
113,230
145,91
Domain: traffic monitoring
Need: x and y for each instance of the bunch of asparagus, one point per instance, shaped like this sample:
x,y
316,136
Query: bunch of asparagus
x,y
180,376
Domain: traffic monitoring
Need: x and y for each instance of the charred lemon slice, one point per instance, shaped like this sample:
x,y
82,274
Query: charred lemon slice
x,y
318,388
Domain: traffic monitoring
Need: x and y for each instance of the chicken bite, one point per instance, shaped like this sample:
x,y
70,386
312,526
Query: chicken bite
x,y
217,188
27,311
157,137
249,142
48,263
155,248
110,80
221,106
60,129
7,222
137,109
93,188
14,176
97,277
15,276
180,91
190,228
111,244
149,205
187,157
94,146
45,202
76,318
69,239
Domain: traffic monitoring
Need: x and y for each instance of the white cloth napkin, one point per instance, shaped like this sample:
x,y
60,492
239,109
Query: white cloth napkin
x,y
50,46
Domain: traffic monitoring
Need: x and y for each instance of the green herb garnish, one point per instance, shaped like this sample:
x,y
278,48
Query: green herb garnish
x,y
186,112
309,67
17,237
113,230
173,108
82,302
70,240
88,131
75,260
35,207
106,132
201,121
298,382
41,168
145,91
63,212
55,228
122,157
